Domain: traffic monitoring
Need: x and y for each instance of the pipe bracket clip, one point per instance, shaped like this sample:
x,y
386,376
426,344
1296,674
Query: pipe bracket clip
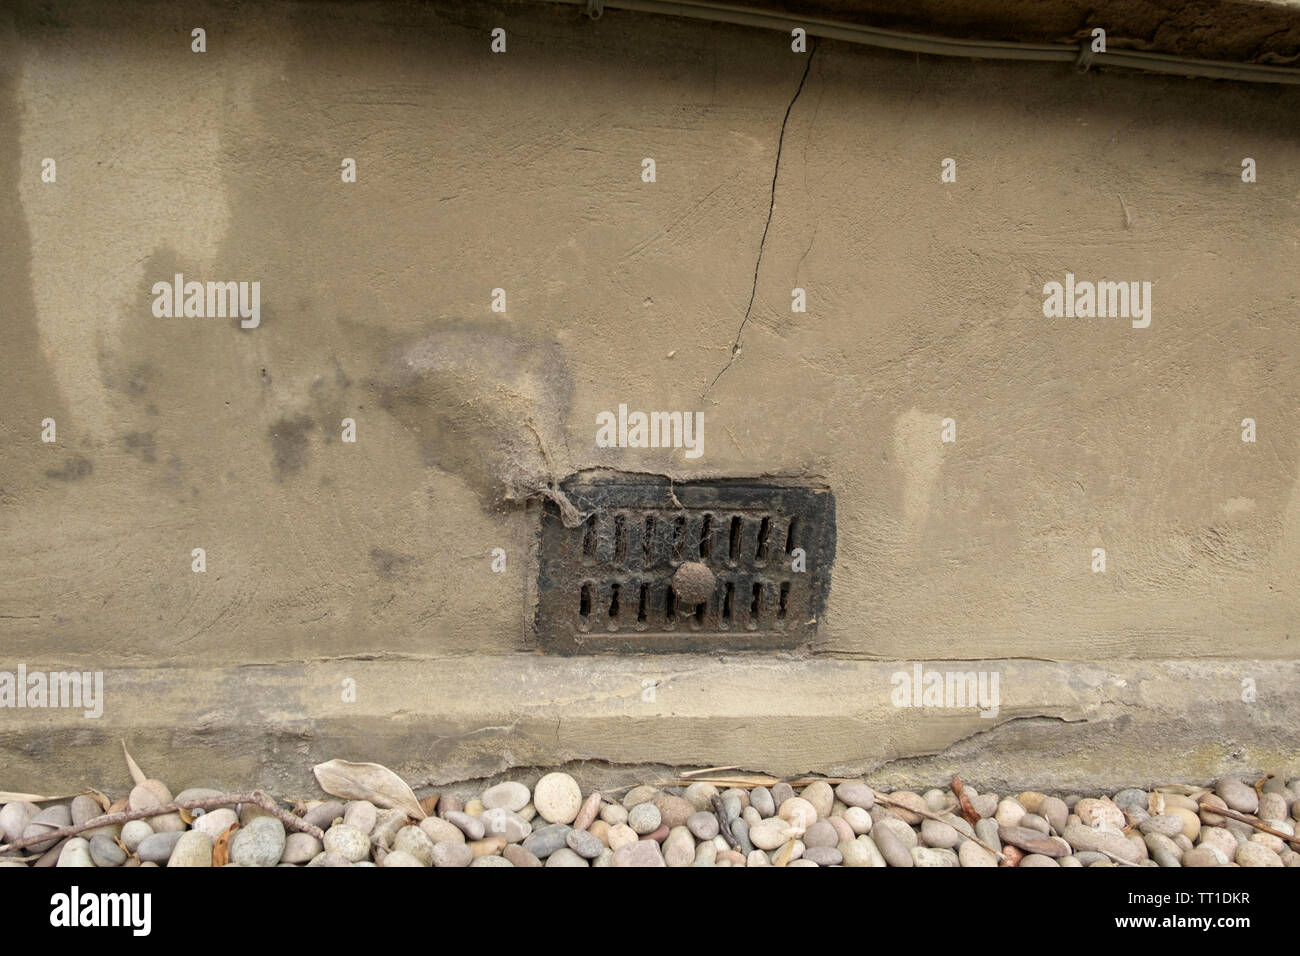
x,y
595,9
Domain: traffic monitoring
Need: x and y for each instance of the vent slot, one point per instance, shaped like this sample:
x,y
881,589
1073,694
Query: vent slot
x,y
619,565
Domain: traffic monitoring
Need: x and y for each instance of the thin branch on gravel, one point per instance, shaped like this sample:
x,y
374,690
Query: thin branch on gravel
x,y
968,811
1244,818
203,803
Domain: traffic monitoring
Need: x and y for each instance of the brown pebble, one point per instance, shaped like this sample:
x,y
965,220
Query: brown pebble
x,y
588,812
658,835
491,846
600,830
1011,856
731,856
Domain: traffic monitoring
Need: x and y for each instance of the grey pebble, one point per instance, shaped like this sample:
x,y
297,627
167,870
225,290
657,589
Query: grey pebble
x,y
157,848
105,851
544,841
586,845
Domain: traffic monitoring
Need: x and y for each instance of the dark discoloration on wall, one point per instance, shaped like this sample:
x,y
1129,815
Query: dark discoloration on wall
x,y
30,391
141,445
290,444
389,565
486,402
75,468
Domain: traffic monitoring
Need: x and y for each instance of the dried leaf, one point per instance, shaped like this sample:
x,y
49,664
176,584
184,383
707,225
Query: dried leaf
x,y
186,816
221,848
103,801
120,806
1259,784
8,796
368,781
430,803
968,811
137,775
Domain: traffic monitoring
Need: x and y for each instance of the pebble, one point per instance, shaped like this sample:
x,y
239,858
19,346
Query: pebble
x,y
1055,812
105,851
1131,799
673,811
1163,850
469,825
587,845
820,795
346,841
824,855
640,853
637,795
587,815
704,825
1101,841
781,792
858,819
1166,824
84,809
891,848
644,818
940,835
261,843
323,815
361,815
700,795
798,812
14,818
491,846
971,853
614,814
194,849
905,804
901,832
1255,854
45,820
133,832
679,847
451,854
760,798
566,857
931,856
157,847
1203,856
216,822
986,804
1031,800
510,796
543,842
518,856
397,858
822,833
1032,841
1032,821
415,843
506,824
1009,813
1091,810
621,835
557,798
1037,859
771,833
76,853
442,831
300,848
1237,795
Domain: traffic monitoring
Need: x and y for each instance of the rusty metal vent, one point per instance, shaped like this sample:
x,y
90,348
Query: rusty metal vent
x,y
691,566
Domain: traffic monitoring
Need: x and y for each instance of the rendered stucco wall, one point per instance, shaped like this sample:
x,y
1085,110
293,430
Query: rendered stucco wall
x,y
522,171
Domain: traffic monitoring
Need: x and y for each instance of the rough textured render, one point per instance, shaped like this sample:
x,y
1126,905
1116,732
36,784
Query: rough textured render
x,y
372,561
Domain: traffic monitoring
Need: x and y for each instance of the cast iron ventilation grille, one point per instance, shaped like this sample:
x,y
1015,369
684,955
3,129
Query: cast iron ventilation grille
x,y
692,566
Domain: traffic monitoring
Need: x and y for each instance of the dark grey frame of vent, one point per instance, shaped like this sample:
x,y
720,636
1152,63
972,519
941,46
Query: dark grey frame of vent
x,y
606,586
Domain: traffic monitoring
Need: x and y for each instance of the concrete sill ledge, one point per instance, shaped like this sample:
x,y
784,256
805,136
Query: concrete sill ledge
x,y
1059,725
